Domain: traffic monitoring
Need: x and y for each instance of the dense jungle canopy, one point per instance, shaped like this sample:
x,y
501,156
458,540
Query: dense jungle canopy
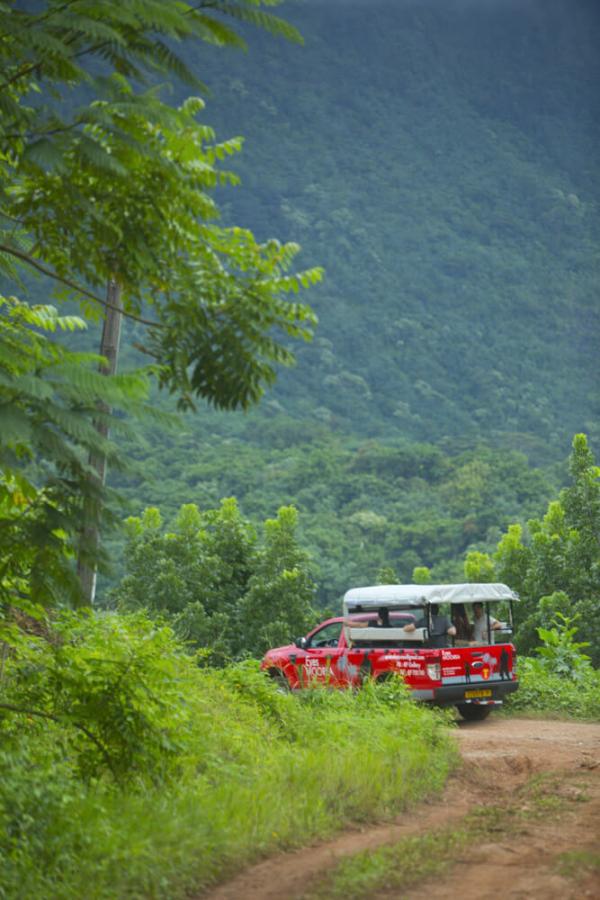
x,y
440,160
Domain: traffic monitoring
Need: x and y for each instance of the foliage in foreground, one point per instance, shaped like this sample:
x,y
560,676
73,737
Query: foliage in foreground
x,y
79,204
208,769
78,197
51,403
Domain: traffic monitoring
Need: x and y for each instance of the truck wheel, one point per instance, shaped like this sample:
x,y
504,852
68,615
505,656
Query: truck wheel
x,y
472,712
280,680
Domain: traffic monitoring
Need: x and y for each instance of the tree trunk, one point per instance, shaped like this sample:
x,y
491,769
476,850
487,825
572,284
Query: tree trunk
x,y
90,535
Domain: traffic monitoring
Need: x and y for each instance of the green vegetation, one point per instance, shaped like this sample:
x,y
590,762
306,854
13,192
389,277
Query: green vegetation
x,y
439,160
127,770
451,199
559,681
51,400
385,868
560,653
408,507
579,863
550,695
361,504
428,417
118,192
554,563
220,590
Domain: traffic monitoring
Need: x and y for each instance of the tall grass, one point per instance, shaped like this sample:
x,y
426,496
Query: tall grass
x,y
553,695
263,771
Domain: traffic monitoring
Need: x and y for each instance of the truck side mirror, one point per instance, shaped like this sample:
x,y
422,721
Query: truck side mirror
x,y
301,643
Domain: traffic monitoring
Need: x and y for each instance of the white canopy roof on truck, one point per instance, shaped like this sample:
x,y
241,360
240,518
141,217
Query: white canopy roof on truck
x,y
396,595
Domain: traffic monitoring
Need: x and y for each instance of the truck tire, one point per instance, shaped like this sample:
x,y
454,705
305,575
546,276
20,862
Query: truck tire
x,y
472,712
281,682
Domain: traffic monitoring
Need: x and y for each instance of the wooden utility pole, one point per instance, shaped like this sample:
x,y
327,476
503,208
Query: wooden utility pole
x,y
90,534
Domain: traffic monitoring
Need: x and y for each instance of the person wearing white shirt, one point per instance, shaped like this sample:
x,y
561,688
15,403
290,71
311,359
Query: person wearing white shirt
x,y
480,624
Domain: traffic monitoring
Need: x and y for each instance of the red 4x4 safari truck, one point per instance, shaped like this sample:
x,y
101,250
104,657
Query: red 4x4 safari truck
x,y
443,639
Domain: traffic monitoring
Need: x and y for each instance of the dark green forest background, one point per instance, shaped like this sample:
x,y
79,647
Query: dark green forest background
x,y
440,159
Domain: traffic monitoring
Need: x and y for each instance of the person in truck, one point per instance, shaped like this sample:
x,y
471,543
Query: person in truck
x,y
480,624
460,620
382,620
441,628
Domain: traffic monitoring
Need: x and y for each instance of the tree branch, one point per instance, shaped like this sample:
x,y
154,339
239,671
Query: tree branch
x,y
94,48
43,715
28,135
6,215
20,254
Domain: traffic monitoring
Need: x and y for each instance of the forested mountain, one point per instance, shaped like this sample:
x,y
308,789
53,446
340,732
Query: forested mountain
x,y
362,508
440,159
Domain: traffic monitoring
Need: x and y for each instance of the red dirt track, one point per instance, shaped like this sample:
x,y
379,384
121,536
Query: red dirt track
x,y
500,755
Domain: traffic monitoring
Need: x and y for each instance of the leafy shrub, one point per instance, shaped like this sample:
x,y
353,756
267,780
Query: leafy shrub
x,y
39,794
560,653
562,679
251,687
214,766
114,683
544,691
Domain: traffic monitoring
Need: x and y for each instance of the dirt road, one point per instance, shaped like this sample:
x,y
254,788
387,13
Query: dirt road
x,y
500,757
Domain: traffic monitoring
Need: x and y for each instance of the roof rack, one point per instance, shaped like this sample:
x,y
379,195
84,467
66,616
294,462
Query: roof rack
x,y
407,595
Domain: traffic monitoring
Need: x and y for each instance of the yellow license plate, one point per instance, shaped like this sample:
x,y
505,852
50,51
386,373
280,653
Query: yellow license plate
x,y
478,694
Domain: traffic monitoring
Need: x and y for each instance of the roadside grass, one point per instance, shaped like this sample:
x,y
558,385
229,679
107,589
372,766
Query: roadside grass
x,y
261,771
578,864
415,858
555,696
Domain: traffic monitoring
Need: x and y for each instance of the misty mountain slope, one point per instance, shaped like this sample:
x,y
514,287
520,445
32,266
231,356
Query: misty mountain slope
x,y
440,160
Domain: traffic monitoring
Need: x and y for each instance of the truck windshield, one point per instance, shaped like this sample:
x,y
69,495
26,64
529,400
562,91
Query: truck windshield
x,y
327,636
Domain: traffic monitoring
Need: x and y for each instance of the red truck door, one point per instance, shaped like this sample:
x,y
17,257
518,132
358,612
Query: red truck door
x,y
320,663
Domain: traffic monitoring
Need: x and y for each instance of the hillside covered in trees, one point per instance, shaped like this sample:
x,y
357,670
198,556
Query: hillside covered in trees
x,y
440,160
